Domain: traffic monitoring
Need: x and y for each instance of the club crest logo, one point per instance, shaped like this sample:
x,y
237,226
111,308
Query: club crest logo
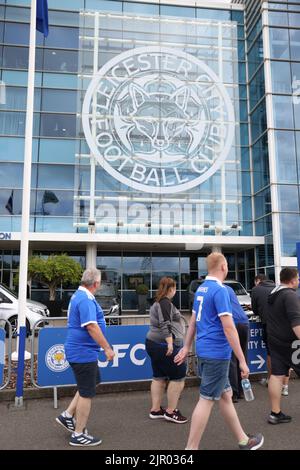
x,y
158,120
56,358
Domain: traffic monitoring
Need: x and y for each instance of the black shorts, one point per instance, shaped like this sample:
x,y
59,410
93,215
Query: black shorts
x,y
282,360
87,376
163,366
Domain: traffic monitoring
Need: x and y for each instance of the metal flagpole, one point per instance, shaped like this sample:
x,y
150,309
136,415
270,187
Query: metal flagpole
x,y
25,211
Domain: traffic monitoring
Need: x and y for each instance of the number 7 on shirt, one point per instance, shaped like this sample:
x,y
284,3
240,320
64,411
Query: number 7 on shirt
x,y
200,298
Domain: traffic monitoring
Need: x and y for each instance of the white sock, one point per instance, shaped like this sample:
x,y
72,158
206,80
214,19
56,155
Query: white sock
x,y
66,414
77,434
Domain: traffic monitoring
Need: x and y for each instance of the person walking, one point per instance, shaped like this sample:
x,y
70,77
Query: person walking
x,y
164,340
86,328
259,301
216,335
242,325
283,329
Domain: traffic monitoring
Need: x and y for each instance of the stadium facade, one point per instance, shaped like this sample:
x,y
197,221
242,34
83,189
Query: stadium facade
x,y
161,132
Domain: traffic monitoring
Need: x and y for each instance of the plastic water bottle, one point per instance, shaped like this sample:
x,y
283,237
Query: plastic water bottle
x,y
247,389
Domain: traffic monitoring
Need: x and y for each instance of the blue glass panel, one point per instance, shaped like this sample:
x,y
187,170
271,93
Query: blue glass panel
x,y
63,18
281,77
17,57
60,151
66,4
67,38
260,164
60,80
54,224
103,5
237,16
294,19
279,18
285,157
1,12
295,43
210,14
11,148
178,11
241,50
13,123
59,101
243,111
54,203
11,202
245,158
257,88
16,98
290,233
56,176
18,33
58,125
20,14
14,77
258,121
247,208
242,72
60,60
19,2
279,43
254,32
10,224
244,133
143,8
255,55
297,135
283,112
288,198
263,226
1,31
11,175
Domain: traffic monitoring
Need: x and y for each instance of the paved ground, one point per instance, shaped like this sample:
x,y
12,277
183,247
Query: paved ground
x,y
121,419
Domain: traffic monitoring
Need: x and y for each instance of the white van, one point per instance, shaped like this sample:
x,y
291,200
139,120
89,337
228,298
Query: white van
x,y
9,311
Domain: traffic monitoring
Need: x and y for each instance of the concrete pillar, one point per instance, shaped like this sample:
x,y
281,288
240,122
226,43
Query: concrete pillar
x,y
91,255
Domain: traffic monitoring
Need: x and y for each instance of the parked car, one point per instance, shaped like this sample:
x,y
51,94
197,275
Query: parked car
x,y
107,298
9,311
240,291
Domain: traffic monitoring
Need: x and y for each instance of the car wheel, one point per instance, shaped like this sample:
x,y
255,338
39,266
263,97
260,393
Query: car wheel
x,y
14,327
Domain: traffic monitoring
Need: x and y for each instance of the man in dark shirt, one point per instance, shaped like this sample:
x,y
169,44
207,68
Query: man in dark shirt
x,y
259,301
283,327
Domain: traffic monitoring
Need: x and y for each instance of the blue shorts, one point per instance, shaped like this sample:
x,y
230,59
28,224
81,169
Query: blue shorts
x,y
164,367
214,378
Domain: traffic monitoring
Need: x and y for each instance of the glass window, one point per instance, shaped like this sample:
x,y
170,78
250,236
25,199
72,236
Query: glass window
x,y
297,135
16,98
63,18
59,101
294,19
296,102
60,60
255,55
168,263
111,262
67,38
279,18
237,16
58,125
60,151
288,198
257,87
157,276
17,57
18,33
99,5
13,123
54,224
210,14
258,121
283,112
15,13
295,43
54,177
134,264
177,11
281,77
262,203
260,164
66,4
11,148
60,80
54,203
285,157
140,8
14,77
279,43
290,233
11,175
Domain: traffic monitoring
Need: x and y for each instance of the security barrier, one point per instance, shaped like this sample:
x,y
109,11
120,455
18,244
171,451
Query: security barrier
x,y
4,382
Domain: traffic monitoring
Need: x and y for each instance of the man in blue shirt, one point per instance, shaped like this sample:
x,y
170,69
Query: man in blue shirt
x,y
241,322
216,337
86,328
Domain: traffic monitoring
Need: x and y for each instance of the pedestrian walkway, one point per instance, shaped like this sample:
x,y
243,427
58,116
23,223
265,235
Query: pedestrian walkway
x,y
121,421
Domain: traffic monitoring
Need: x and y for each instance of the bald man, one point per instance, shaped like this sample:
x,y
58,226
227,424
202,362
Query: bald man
x,y
216,338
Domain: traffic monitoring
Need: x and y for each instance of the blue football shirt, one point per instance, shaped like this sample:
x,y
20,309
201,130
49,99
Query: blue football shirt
x,y
83,310
239,316
210,303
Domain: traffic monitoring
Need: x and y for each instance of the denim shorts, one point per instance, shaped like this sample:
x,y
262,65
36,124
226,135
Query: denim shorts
x,y
214,378
87,377
164,367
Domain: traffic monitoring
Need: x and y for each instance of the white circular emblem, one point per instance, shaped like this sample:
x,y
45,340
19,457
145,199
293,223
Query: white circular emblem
x,y
56,358
158,120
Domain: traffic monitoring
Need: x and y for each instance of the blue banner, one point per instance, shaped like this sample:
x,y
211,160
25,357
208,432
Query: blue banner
x,y
42,17
257,353
2,354
130,363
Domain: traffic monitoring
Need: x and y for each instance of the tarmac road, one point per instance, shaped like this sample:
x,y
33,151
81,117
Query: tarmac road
x,y
121,420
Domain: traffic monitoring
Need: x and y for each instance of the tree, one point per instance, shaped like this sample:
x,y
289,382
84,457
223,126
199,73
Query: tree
x,y
53,271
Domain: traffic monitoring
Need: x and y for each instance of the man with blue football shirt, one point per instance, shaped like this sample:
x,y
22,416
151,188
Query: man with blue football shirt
x,y
216,338
86,328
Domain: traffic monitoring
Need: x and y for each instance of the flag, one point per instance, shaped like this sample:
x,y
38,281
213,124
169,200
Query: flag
x,y
49,196
10,203
42,17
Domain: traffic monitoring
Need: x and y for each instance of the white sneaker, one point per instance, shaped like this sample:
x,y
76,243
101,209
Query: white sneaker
x,y
285,390
264,382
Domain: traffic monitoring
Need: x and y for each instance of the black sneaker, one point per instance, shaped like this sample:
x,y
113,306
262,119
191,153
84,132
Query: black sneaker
x,y
67,423
175,417
157,414
280,418
84,440
254,442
